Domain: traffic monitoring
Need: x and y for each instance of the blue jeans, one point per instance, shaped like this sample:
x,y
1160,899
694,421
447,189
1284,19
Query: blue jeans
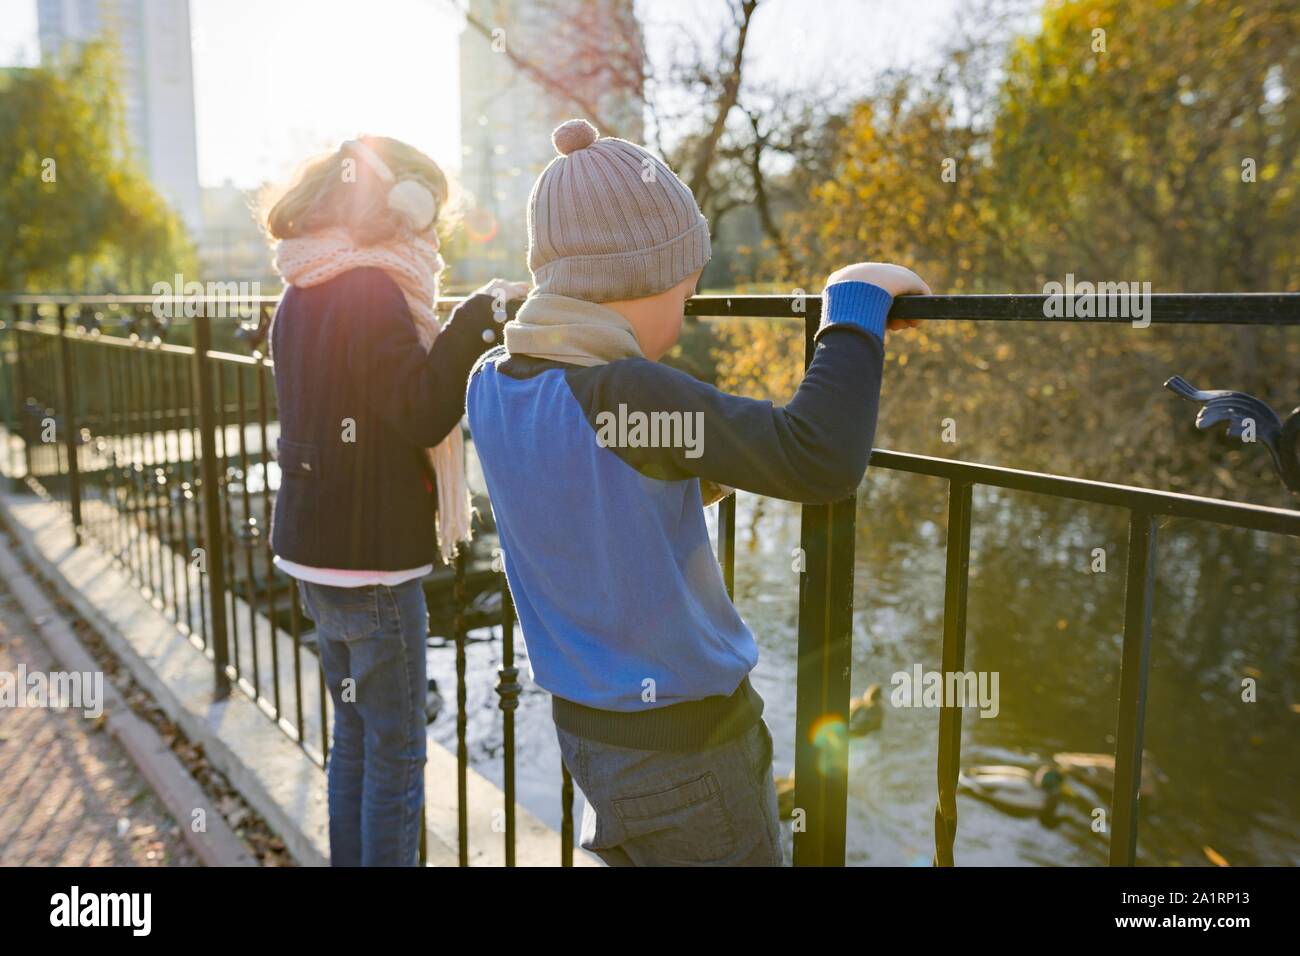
x,y
714,807
372,644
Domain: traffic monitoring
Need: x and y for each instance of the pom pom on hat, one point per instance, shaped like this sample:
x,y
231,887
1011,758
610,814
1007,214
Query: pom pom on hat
x,y
573,135
611,222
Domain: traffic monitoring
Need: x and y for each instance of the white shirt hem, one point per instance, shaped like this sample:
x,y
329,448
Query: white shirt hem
x,y
345,578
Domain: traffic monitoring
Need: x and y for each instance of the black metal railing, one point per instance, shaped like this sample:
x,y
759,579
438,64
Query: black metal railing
x,y
161,453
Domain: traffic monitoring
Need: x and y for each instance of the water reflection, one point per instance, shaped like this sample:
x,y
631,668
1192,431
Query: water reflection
x,y
1227,609
1050,625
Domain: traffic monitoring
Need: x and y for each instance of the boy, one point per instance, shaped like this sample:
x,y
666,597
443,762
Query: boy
x,y
594,454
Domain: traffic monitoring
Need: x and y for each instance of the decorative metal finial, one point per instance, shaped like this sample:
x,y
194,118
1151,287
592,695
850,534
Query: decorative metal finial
x,y
1282,439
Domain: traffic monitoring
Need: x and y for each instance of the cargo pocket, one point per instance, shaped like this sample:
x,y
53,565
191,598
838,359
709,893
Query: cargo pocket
x,y
685,824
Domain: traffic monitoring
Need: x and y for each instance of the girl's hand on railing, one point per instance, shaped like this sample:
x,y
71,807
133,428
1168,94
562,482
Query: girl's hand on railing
x,y
711,492
896,280
512,290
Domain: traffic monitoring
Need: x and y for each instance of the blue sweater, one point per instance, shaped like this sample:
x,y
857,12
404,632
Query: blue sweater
x,y
620,598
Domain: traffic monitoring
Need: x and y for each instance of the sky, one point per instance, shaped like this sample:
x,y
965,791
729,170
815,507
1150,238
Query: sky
x,y
276,80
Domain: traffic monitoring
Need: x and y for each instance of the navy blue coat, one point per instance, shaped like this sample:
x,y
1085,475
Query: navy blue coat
x,y
359,402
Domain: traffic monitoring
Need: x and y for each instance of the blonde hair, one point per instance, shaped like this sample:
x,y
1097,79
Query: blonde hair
x,y
338,188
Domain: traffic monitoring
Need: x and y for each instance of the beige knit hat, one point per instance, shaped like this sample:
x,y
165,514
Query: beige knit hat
x,y
607,220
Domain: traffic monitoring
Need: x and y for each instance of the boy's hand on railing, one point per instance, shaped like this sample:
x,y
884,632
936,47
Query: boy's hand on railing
x,y
896,280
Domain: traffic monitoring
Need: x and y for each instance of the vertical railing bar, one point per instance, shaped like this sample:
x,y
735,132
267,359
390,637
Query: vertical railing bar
x,y
423,847
265,528
231,565
324,695
727,542
169,474
102,526
20,400
825,656
508,689
11,417
195,496
213,543
462,717
54,450
248,527
121,539
141,469
11,385
566,816
104,435
162,484
182,491
112,431
1139,602
295,633
135,468
175,492
71,434
154,472
953,656
126,476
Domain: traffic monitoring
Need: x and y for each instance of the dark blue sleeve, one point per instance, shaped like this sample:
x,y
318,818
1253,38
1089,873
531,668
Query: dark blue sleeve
x,y
813,449
421,395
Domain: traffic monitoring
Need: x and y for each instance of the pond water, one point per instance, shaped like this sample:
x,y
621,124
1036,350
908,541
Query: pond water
x,y
1227,611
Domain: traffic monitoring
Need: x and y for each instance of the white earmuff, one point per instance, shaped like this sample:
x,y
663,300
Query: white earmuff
x,y
414,201
409,197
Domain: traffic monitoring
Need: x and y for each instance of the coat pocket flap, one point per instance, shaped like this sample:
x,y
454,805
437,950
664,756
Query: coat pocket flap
x,y
298,459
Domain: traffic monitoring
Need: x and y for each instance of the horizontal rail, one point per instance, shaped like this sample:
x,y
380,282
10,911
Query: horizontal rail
x,y
99,338
117,341
1226,308
1257,308
1171,503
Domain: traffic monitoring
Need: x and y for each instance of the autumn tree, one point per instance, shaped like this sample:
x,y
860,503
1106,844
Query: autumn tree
x,y
76,211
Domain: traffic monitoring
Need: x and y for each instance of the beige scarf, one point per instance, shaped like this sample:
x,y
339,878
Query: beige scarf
x,y
572,331
414,264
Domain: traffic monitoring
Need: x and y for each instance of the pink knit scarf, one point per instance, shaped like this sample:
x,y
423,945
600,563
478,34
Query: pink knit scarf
x,y
414,264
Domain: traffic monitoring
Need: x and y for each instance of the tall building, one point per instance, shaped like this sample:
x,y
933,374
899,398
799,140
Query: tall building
x,y
157,78
588,53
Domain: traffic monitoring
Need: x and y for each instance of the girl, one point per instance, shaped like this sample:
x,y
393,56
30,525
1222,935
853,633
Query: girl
x,y
371,392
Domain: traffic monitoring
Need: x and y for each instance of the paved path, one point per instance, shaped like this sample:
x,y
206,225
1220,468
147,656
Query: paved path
x,y
69,796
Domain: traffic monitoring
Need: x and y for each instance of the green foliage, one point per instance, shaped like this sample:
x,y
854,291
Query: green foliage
x,y
1133,158
76,211
1119,165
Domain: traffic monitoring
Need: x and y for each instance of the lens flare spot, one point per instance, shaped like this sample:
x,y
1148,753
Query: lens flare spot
x,y
829,735
480,225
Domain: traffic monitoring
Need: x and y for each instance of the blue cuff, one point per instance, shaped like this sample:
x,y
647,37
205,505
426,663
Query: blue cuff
x,y
857,304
